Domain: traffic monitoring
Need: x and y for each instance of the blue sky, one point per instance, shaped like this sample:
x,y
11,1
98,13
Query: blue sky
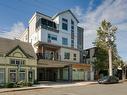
x,y
15,15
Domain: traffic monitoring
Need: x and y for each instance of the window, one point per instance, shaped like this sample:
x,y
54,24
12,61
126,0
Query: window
x,y
72,28
72,22
48,23
64,41
12,75
17,61
52,37
72,25
72,33
64,24
72,42
74,57
22,75
66,55
2,75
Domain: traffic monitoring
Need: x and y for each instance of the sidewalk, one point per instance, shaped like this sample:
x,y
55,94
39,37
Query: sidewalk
x,y
47,85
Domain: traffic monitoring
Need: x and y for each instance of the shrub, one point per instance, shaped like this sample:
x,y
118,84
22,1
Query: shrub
x,y
2,85
10,85
21,84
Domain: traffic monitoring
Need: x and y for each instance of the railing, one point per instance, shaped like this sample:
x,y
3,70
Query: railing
x,y
48,56
49,28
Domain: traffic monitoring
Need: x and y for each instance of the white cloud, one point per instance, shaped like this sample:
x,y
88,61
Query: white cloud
x,y
113,10
15,32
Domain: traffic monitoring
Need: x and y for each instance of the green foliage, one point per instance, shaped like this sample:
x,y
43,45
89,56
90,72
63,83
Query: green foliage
x,y
101,61
10,85
15,85
23,83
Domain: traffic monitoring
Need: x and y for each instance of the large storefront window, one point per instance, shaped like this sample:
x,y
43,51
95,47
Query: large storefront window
x,y
22,75
12,75
2,75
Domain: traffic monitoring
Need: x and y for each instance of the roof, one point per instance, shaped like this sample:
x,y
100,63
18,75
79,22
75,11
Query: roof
x,y
65,12
80,29
43,14
7,45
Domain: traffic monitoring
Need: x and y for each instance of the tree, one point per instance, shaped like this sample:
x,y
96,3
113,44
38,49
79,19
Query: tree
x,y
101,61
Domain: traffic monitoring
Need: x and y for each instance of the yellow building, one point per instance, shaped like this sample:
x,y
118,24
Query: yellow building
x,y
17,61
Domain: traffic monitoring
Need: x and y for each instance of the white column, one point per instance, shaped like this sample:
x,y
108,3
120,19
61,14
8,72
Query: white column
x,y
91,73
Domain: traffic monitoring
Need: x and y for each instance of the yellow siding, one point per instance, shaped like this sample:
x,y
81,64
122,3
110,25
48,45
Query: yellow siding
x,y
17,53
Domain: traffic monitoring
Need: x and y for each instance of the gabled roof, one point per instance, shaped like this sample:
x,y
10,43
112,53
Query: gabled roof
x,y
8,45
18,47
65,12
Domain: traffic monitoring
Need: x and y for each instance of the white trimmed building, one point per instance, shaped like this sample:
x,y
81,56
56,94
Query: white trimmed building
x,y
55,41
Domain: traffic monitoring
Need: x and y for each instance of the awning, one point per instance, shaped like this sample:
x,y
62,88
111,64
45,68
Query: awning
x,y
51,64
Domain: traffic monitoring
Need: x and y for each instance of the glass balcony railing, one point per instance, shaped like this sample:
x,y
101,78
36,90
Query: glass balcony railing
x,y
49,28
48,56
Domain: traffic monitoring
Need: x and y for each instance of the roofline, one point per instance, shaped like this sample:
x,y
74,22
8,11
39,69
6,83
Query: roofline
x,y
37,12
89,48
81,28
64,12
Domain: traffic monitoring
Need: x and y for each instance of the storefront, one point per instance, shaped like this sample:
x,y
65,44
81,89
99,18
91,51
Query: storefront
x,y
54,71
81,72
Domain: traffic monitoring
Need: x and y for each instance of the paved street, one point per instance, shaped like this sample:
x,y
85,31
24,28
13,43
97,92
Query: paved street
x,y
94,89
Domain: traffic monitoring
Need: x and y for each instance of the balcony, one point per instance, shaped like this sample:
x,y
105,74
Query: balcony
x,y
49,56
49,28
47,24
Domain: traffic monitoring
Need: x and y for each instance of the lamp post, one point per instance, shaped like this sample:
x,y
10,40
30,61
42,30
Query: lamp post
x,y
109,40
18,72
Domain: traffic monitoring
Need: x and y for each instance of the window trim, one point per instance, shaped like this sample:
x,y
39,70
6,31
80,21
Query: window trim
x,y
4,73
64,24
51,37
64,41
9,73
65,55
74,56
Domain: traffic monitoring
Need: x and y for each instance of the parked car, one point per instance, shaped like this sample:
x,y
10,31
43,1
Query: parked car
x,y
108,80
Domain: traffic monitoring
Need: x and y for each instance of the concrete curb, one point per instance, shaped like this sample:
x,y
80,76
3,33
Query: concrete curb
x,y
21,89
43,87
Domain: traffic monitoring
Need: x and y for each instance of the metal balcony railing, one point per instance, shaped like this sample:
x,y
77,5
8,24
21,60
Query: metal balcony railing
x,y
48,56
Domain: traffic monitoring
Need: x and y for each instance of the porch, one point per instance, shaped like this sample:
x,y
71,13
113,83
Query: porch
x,y
48,51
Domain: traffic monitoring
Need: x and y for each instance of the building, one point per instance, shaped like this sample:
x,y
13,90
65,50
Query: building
x,y
80,42
17,61
58,42
89,56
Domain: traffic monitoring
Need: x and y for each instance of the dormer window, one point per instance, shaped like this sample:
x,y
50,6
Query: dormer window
x,y
64,24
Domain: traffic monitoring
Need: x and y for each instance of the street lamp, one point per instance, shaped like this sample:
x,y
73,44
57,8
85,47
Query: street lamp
x,y
109,39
